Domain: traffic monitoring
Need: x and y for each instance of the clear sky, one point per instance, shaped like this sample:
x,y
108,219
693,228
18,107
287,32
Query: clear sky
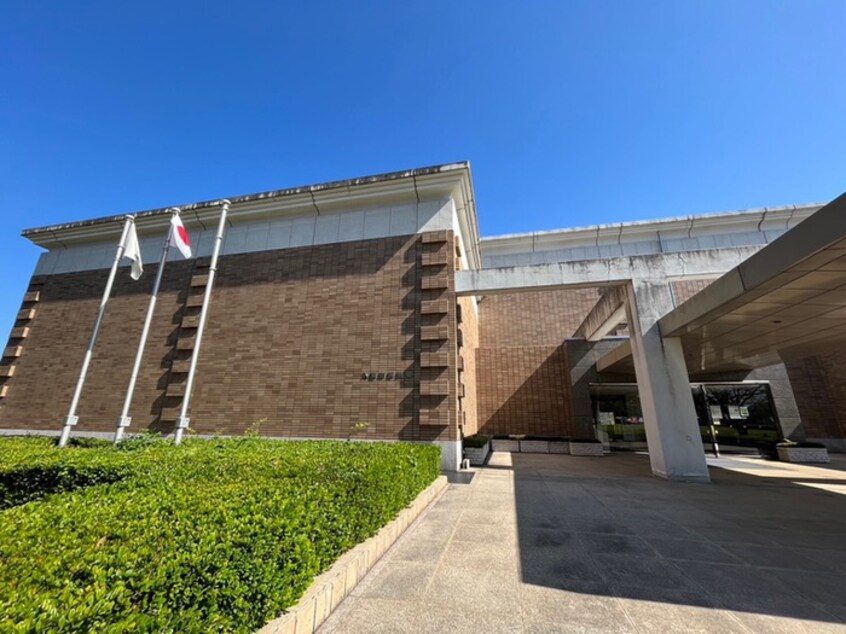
x,y
571,112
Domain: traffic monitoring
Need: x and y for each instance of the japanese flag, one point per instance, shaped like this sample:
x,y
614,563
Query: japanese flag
x,y
179,237
132,252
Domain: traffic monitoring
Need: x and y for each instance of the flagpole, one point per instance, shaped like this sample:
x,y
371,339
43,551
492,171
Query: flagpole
x,y
125,420
183,420
71,419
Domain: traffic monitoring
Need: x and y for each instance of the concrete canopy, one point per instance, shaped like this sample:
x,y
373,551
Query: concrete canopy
x,y
786,301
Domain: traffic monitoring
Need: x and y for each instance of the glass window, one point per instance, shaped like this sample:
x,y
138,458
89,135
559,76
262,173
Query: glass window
x,y
740,414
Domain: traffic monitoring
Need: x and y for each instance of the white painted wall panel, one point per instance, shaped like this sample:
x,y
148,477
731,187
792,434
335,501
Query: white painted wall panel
x,y
377,223
279,234
303,231
351,226
235,240
257,235
403,220
327,229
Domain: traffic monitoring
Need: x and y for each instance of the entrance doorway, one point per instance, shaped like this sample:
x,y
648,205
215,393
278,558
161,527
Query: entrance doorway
x,y
736,415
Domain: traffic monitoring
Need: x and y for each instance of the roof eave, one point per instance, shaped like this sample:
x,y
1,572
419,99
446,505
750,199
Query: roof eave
x,y
451,179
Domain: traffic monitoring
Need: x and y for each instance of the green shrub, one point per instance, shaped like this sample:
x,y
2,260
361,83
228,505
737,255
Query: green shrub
x,y
211,536
87,443
141,440
476,442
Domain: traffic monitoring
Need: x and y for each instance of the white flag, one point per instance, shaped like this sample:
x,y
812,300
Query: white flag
x,y
132,252
179,237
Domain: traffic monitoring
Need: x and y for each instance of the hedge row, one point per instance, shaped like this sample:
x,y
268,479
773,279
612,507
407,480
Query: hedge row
x,y
211,536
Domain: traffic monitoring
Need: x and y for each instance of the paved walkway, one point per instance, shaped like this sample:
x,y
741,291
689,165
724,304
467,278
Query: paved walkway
x,y
565,544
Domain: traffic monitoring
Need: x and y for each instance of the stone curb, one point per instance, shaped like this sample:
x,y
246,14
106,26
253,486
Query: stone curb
x,y
328,590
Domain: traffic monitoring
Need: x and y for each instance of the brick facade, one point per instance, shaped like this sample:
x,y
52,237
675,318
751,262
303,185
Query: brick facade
x,y
534,318
523,370
308,340
468,383
311,334
818,389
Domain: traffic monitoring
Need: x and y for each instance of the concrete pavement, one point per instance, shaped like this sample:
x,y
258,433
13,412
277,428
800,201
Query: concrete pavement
x,y
546,544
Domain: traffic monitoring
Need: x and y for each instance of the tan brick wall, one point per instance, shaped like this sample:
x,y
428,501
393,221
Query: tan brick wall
x,y
683,290
525,390
468,403
819,387
289,336
533,318
40,392
523,376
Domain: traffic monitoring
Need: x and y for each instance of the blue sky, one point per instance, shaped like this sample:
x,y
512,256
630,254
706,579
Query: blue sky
x,y
570,112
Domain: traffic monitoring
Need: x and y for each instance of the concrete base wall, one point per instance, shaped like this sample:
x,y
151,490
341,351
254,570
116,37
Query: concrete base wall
x,y
450,454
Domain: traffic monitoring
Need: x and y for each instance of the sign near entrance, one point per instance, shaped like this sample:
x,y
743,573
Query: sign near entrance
x,y
384,376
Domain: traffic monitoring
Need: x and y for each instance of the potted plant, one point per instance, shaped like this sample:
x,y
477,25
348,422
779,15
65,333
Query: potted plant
x,y
476,449
789,451
585,447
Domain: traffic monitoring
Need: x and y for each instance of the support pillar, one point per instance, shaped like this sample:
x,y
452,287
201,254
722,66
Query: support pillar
x,y
669,416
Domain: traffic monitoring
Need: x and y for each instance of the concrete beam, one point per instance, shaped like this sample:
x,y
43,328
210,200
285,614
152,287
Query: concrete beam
x,y
602,272
605,316
621,352
799,251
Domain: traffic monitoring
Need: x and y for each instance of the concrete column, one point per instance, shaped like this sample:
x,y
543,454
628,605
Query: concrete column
x,y
672,431
450,454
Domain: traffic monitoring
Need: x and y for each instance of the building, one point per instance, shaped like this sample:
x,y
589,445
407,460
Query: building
x,y
375,301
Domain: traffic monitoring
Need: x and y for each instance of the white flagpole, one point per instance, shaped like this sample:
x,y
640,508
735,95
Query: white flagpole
x,y
125,419
71,419
183,420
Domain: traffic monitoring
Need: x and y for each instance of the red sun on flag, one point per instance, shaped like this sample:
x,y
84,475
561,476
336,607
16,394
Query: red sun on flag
x,y
179,237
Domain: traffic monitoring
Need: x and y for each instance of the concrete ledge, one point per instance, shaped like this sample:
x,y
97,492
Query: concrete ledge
x,y
502,444
803,454
328,590
530,446
534,446
586,449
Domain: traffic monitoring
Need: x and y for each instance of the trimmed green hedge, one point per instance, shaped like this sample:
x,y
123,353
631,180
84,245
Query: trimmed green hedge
x,y
211,536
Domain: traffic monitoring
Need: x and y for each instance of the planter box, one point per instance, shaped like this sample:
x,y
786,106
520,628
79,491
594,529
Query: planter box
x,y
534,446
477,455
504,444
586,449
559,446
803,454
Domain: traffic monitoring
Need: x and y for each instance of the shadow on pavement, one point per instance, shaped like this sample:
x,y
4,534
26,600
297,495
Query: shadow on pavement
x,y
762,543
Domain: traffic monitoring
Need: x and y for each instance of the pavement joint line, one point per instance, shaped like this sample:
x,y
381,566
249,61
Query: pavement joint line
x,y
438,565
676,596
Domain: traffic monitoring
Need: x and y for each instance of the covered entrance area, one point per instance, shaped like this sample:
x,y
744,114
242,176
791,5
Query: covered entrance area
x,y
783,301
